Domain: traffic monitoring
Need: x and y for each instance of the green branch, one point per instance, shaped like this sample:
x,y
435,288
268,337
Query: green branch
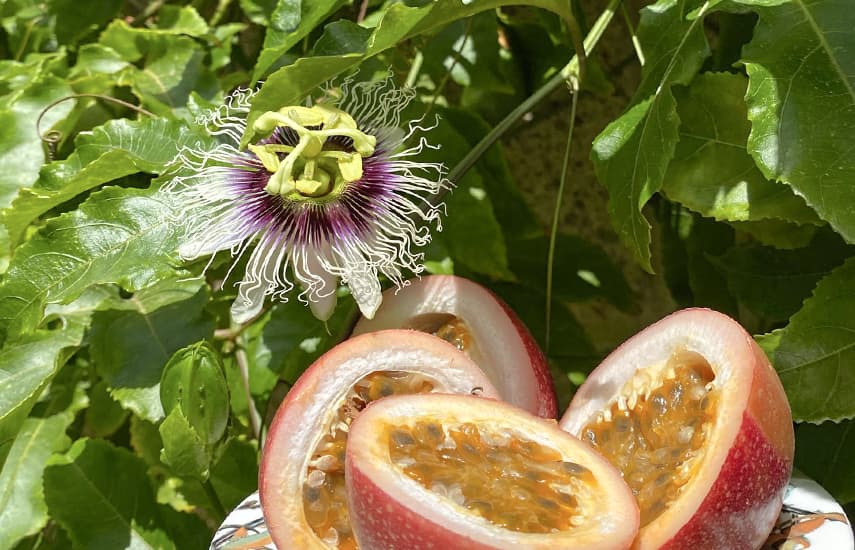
x,y
571,70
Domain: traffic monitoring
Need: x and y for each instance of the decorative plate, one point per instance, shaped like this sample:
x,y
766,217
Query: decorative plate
x,y
810,518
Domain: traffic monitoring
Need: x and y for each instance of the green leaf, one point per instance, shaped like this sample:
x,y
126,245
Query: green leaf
x,y
258,11
152,324
712,172
171,72
21,150
75,19
295,338
341,37
582,270
826,453
778,233
113,150
145,440
105,415
289,85
801,102
632,154
290,22
181,20
171,63
184,451
470,231
235,475
101,495
26,367
122,236
515,217
467,52
815,353
23,511
688,240
773,283
193,382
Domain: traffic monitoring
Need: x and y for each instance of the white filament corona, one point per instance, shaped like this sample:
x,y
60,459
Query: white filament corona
x,y
369,229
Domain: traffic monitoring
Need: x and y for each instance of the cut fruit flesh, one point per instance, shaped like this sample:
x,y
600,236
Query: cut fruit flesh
x,y
304,452
473,319
324,499
434,471
696,419
656,435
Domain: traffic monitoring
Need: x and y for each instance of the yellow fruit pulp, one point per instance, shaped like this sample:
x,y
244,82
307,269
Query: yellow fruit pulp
x,y
510,481
655,432
450,328
324,497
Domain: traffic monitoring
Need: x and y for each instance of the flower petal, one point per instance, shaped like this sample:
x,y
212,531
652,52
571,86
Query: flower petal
x,y
319,285
365,288
261,278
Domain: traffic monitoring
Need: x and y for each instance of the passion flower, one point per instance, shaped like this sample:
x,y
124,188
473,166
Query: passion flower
x,y
329,192
451,471
479,324
695,417
302,478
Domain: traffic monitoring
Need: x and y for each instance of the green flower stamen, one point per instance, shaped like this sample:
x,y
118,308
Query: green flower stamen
x,y
307,170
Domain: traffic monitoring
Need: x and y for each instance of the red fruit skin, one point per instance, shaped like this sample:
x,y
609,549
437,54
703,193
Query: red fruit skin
x,y
403,529
749,490
745,493
429,295
548,404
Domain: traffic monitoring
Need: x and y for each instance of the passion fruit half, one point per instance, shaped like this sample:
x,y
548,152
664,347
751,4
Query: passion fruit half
x,y
302,476
695,417
479,324
451,471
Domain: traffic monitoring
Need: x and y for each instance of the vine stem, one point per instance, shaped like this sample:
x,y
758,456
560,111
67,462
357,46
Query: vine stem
x,y
553,233
53,137
569,70
214,498
243,368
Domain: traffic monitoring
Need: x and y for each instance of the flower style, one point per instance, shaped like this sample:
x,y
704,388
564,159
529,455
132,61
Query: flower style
x,y
329,192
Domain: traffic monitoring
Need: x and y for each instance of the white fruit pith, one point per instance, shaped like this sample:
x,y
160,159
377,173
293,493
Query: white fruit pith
x,y
475,321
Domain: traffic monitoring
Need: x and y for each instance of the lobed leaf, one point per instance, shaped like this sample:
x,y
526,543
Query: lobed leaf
x,y
111,151
122,236
712,172
26,367
815,352
801,102
632,154
101,495
152,324
289,23
23,511
774,283
21,150
826,453
290,84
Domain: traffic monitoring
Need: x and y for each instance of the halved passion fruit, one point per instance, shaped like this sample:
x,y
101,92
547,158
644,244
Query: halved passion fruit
x,y
695,417
302,479
452,471
479,324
